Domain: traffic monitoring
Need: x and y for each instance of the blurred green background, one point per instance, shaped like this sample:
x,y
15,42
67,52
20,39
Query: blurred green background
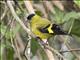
x,y
13,38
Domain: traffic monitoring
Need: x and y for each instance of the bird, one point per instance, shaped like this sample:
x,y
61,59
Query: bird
x,y
44,28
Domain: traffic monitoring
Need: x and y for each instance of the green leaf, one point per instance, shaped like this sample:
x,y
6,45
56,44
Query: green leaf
x,y
58,16
77,2
8,49
34,46
71,15
10,53
2,46
5,31
43,54
75,28
9,32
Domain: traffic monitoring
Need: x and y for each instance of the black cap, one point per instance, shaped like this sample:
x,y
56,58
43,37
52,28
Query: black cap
x,y
30,16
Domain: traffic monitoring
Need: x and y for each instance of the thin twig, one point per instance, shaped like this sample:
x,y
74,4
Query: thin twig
x,y
18,19
4,13
25,50
70,50
53,50
7,28
17,49
73,52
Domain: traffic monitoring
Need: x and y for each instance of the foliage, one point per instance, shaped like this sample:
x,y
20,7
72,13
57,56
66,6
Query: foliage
x,y
77,2
13,37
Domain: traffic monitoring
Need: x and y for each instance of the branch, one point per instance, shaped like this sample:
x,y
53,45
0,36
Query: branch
x,y
49,54
18,19
70,50
29,7
4,13
53,50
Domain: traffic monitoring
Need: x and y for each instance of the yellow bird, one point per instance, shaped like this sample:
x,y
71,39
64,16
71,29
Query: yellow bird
x,y
44,28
